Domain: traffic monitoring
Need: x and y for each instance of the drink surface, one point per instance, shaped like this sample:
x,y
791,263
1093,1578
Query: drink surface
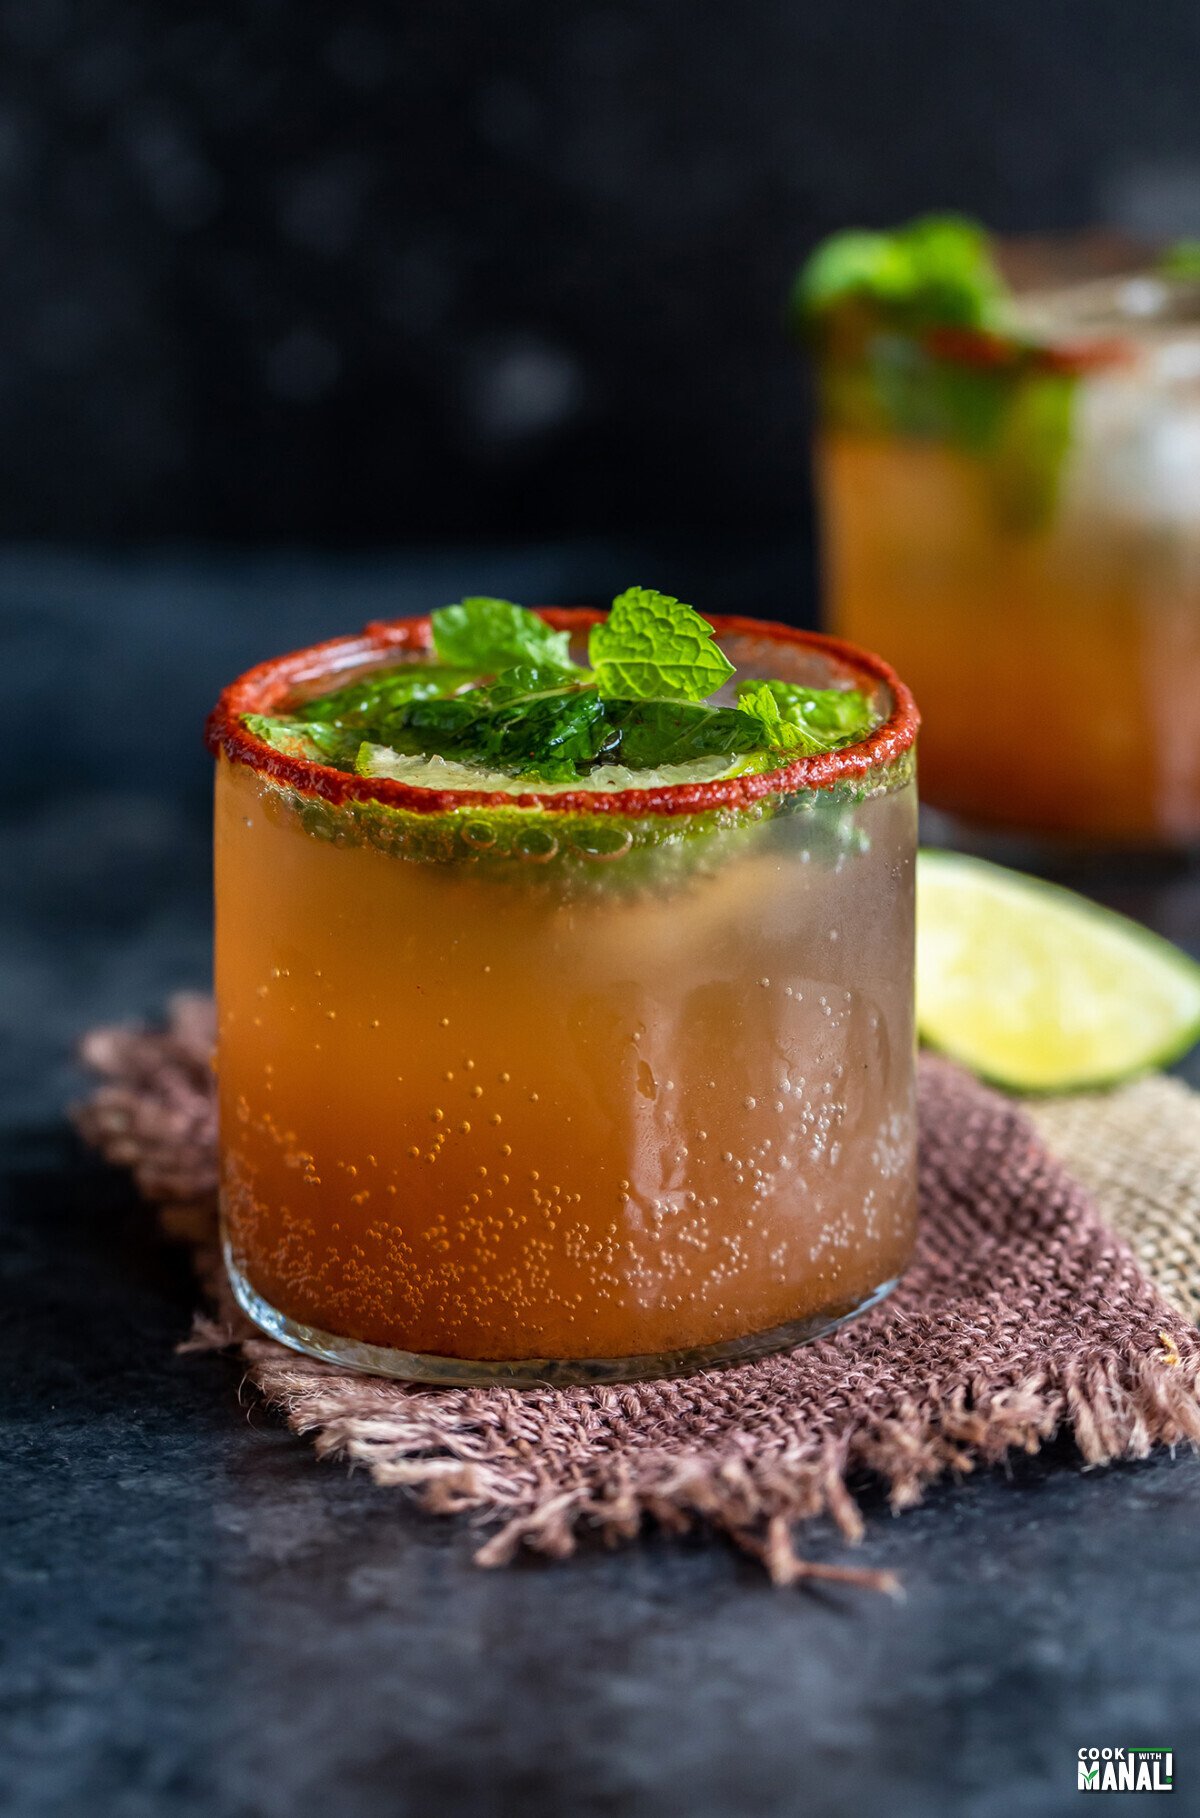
x,y
494,1086
1017,517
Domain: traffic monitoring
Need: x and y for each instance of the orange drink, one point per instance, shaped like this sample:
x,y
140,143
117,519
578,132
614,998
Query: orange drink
x,y
563,1083
1011,507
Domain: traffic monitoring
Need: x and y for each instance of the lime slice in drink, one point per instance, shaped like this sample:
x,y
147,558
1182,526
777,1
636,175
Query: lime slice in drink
x,y
1040,990
445,773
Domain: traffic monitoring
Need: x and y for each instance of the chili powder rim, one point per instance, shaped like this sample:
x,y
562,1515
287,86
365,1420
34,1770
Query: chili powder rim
x,y
995,350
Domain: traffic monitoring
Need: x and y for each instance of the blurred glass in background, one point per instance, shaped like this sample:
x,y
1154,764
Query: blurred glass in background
x,y
1009,480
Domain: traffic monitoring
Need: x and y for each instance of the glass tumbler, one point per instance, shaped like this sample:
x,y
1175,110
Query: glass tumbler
x,y
571,1087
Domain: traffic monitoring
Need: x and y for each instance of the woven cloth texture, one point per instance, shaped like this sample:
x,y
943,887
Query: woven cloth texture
x,y
1137,1151
1023,1315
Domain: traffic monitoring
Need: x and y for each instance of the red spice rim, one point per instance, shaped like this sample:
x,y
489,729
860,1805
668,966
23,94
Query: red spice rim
x,y
986,349
264,689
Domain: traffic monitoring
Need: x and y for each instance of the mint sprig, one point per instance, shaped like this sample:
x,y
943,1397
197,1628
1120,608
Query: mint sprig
x,y
488,635
542,717
654,733
757,702
653,647
369,698
936,271
794,718
872,303
518,724
312,739
1181,259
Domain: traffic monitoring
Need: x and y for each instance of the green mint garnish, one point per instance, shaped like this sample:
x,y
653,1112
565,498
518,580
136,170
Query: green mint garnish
x,y
654,733
1180,260
533,679
488,635
369,698
526,722
653,647
759,702
801,720
1031,448
313,739
935,271
545,719
874,303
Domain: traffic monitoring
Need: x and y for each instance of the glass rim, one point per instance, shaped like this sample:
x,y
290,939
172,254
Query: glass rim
x,y
992,349
265,687
1075,348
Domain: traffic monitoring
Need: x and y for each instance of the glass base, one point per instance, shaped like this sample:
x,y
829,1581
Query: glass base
x,y
531,1372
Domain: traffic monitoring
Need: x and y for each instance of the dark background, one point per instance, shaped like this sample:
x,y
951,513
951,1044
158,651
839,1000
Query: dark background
x,y
356,272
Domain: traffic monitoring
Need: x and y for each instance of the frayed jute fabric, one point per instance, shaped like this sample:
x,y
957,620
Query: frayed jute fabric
x,y
1024,1315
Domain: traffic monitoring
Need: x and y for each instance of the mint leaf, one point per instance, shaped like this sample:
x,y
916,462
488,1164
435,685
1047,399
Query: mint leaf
x,y
520,724
1180,260
529,679
440,728
935,271
370,698
757,701
311,739
851,264
653,647
654,733
555,735
1031,449
792,718
489,635
953,278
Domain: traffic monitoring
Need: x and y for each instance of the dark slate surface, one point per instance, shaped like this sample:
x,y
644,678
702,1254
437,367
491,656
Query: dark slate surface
x,y
360,269
199,1620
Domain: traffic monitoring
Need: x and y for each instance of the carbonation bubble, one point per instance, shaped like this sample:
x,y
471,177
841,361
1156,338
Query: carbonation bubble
x,y
536,844
602,841
479,834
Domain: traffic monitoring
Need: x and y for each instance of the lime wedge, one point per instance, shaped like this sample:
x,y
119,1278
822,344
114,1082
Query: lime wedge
x,y
444,773
1041,990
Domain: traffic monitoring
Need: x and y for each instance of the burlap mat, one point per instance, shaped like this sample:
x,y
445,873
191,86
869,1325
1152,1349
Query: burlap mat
x,y
1137,1151
1022,1316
